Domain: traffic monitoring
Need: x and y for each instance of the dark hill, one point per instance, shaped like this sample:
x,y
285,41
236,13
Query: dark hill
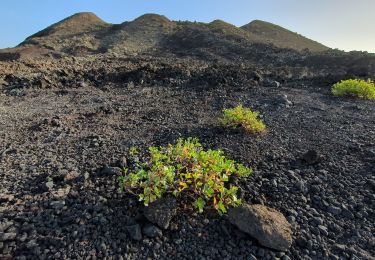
x,y
85,33
143,34
281,37
74,34
75,24
152,19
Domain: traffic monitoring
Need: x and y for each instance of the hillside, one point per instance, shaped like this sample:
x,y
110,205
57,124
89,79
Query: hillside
x,y
73,35
143,34
73,25
85,33
282,37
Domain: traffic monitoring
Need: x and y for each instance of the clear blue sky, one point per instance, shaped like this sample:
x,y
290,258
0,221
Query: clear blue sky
x,y
343,24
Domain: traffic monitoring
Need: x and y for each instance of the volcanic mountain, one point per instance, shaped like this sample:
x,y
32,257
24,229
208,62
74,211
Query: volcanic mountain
x,y
74,25
85,33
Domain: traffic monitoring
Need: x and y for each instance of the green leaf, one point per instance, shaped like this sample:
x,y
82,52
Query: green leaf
x,y
208,191
221,207
200,203
157,191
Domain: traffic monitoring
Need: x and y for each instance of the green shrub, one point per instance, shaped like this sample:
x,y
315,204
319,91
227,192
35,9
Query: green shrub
x,y
185,168
244,117
355,88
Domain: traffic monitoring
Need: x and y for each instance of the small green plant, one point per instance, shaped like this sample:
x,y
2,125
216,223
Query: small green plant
x,y
186,168
244,117
355,88
133,151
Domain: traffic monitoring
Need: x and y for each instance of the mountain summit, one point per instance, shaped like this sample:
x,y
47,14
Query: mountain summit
x,y
75,24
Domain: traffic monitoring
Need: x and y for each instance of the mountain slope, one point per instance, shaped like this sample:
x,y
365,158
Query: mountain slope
x,y
282,37
75,24
77,32
85,33
144,33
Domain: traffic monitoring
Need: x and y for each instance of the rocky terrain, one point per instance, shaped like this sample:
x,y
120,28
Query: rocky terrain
x,y
73,100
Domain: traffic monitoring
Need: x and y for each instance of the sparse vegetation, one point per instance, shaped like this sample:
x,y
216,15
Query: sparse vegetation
x,y
185,168
243,117
355,88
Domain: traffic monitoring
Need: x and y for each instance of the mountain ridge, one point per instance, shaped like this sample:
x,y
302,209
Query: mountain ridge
x,y
85,33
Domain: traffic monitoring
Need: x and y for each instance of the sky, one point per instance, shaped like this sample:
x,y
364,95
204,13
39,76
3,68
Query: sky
x,y
342,24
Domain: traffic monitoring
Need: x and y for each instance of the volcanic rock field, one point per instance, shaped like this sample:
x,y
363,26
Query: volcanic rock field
x,y
75,97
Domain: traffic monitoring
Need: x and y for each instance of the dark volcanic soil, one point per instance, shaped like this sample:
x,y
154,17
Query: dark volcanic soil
x,y
61,121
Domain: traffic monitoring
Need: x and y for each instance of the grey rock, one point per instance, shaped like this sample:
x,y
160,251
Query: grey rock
x,y
267,225
135,232
272,83
122,162
82,84
334,210
57,204
291,218
152,231
347,213
360,253
372,184
71,176
323,230
178,241
334,257
7,236
160,212
61,192
370,152
300,185
283,100
108,170
293,212
31,244
17,92
49,185
6,197
5,225
317,221
103,246
260,252
311,157
339,247
257,76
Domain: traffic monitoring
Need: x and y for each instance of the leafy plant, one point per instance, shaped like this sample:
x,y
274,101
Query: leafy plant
x,y
244,117
186,168
133,151
355,88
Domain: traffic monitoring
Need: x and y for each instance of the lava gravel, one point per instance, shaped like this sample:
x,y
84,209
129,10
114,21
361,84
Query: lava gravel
x,y
63,143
